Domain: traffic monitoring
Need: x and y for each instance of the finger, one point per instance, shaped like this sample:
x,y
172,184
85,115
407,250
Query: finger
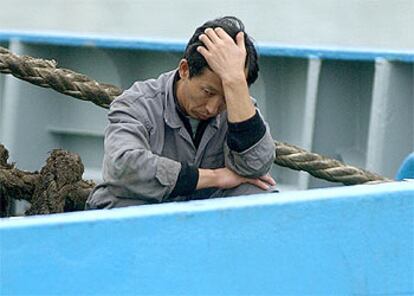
x,y
212,35
222,34
203,51
206,41
240,40
268,179
259,183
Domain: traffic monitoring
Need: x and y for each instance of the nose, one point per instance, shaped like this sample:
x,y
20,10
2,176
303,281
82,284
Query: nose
x,y
213,106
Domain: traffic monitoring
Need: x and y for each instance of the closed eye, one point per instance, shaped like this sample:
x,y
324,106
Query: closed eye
x,y
208,92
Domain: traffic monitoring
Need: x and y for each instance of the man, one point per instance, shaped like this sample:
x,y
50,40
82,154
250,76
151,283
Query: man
x,y
193,132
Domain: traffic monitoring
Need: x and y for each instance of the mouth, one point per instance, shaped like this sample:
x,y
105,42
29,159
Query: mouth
x,y
203,116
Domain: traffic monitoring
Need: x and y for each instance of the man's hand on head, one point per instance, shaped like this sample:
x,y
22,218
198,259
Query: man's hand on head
x,y
227,59
224,56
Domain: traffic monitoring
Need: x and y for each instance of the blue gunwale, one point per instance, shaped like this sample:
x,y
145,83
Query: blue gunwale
x,y
171,45
342,194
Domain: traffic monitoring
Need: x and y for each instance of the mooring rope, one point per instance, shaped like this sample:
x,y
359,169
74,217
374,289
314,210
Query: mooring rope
x,y
46,74
296,158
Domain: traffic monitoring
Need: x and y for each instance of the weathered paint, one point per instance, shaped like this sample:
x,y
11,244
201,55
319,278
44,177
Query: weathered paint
x,y
347,240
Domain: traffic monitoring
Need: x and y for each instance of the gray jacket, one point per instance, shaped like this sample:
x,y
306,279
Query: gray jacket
x,y
146,141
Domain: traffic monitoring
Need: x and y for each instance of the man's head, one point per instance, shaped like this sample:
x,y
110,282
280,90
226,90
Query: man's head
x,y
232,26
199,91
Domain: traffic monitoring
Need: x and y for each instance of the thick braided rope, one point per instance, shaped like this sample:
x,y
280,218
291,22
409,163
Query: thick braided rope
x,y
44,73
296,158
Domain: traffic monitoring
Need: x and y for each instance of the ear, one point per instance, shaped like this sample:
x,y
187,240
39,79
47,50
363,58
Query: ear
x,y
183,69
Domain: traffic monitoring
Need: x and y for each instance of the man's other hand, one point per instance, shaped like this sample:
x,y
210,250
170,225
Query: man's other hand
x,y
225,178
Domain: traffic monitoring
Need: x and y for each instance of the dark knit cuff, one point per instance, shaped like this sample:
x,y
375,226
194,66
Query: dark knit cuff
x,y
187,181
243,135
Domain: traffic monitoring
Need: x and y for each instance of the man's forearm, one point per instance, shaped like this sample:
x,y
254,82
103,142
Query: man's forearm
x,y
206,179
239,104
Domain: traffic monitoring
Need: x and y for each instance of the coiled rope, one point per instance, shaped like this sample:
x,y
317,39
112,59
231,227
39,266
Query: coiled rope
x,y
45,73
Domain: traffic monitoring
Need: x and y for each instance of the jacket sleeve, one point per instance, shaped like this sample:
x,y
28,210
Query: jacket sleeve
x,y
130,167
257,159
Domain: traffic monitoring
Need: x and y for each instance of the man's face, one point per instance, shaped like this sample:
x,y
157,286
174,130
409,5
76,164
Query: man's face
x,y
202,96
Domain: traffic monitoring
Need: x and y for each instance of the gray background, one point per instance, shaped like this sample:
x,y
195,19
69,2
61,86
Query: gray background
x,y
381,24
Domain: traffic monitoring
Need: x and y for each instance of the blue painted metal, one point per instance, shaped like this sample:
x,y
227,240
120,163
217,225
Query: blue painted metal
x,y
92,41
347,240
406,170
265,49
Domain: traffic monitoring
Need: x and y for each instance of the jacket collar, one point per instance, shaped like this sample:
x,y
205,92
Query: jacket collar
x,y
171,117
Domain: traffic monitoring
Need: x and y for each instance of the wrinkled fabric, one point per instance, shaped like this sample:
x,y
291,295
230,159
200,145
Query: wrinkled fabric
x,y
146,141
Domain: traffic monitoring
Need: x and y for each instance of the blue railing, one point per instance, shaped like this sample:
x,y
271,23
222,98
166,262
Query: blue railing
x,y
264,49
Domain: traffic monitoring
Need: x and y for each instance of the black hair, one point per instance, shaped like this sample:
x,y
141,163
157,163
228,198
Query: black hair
x,y
232,25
